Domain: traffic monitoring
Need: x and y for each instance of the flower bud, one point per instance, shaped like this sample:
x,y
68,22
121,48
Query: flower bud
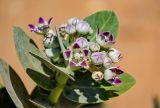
x,y
74,21
104,39
70,29
49,52
97,75
49,39
90,31
108,74
107,62
82,42
52,52
83,27
111,75
98,57
115,55
94,46
48,42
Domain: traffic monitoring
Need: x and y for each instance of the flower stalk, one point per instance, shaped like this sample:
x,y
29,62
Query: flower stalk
x,y
56,92
61,79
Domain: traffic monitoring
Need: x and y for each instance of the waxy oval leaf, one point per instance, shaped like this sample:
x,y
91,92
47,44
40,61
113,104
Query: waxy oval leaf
x,y
53,67
86,90
24,44
41,80
15,86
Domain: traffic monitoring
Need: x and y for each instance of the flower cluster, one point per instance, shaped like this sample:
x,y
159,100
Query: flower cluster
x,y
98,57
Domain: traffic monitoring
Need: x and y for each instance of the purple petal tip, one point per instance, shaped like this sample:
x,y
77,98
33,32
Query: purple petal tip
x,y
117,81
111,38
41,20
49,21
31,26
76,46
86,52
71,64
117,71
67,53
84,64
106,34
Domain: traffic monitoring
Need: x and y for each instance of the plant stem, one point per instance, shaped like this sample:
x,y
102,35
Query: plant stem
x,y
61,78
56,92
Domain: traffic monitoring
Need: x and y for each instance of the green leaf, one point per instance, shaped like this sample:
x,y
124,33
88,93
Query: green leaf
x,y
128,82
42,81
24,44
39,97
86,90
15,86
53,67
105,20
5,100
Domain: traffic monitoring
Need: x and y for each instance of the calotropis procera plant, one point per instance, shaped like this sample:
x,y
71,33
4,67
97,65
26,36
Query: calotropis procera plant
x,y
78,65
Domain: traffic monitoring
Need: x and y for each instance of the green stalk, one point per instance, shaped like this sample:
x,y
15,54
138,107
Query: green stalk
x,y
61,78
56,92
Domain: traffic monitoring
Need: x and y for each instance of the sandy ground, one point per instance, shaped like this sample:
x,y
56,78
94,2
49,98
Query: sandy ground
x,y
138,39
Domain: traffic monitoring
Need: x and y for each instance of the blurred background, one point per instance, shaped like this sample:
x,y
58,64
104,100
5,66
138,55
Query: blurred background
x,y
138,39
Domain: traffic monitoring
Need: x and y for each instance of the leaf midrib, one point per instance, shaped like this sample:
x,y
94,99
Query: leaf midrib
x,y
105,23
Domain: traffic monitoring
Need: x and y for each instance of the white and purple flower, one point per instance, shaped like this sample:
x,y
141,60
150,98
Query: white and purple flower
x,y
111,75
83,28
74,21
115,55
105,39
70,29
42,26
82,42
78,54
107,62
98,57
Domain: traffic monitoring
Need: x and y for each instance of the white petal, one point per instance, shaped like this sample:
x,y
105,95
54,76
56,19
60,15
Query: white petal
x,y
98,57
108,74
74,21
94,46
70,29
115,55
83,27
82,42
107,62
